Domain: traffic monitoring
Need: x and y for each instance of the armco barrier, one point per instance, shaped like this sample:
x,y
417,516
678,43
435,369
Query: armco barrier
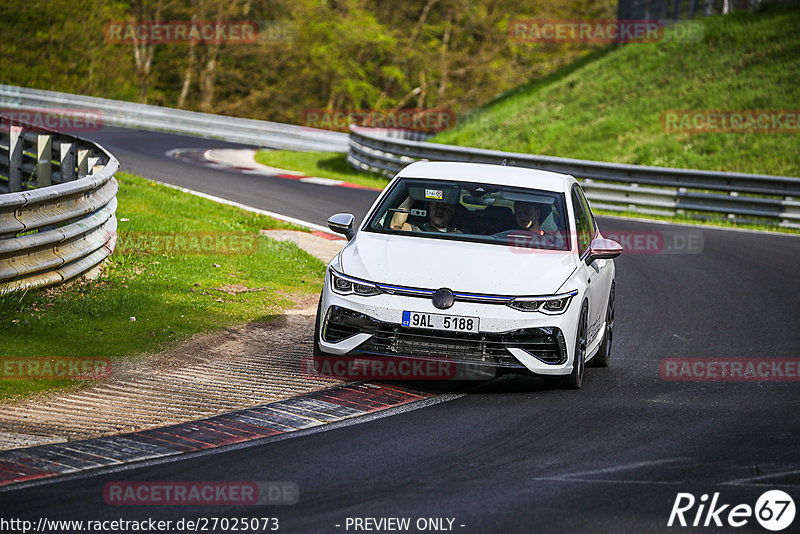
x,y
132,115
612,186
56,208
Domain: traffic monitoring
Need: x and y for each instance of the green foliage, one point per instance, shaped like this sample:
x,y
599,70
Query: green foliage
x,y
320,164
59,45
361,54
608,106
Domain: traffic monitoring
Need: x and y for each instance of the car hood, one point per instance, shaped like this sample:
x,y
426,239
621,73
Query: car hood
x,y
458,265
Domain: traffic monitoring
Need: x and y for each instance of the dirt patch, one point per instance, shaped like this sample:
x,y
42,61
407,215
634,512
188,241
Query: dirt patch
x,y
323,248
235,289
206,375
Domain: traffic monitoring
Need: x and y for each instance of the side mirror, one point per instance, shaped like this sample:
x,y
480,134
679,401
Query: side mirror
x,y
342,223
603,249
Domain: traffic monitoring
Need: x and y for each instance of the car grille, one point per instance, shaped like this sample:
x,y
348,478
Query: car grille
x,y
546,344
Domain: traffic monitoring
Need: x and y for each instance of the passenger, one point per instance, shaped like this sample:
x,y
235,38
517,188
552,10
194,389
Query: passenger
x,y
440,218
527,215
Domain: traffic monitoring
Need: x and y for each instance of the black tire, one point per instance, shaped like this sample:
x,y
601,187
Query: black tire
x,y
317,352
603,355
574,380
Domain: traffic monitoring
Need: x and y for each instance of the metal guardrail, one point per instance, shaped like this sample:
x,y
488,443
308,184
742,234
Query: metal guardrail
x,y
683,9
63,228
611,186
132,115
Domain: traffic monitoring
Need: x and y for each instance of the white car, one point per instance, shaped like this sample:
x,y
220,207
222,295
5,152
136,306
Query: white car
x,y
493,267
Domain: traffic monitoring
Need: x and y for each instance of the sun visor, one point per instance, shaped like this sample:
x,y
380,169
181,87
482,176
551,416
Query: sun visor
x,y
436,192
533,198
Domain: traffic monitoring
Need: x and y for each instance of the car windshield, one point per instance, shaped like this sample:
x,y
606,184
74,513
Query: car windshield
x,y
471,211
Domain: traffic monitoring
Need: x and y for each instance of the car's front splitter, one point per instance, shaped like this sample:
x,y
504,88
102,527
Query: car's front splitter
x,y
494,319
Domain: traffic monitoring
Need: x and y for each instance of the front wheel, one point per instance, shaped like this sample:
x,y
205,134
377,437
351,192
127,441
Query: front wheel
x,y
603,355
317,352
574,380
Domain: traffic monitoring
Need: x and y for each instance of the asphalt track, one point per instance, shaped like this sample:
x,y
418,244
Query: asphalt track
x,y
145,153
511,455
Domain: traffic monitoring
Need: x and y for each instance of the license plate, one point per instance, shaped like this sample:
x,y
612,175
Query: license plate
x,y
434,321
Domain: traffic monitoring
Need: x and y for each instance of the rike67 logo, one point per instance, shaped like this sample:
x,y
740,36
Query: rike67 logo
x,y
774,510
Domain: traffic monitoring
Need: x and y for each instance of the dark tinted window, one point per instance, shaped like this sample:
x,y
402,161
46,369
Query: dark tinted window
x,y
472,211
588,210
583,224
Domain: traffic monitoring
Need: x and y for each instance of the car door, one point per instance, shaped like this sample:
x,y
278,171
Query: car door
x,y
586,230
600,273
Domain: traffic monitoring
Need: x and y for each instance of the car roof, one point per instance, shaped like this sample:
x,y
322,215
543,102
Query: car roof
x,y
489,174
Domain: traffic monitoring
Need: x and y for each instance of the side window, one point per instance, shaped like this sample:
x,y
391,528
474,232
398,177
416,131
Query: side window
x,y
583,226
585,203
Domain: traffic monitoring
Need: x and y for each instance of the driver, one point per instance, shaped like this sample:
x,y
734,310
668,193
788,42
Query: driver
x,y
440,218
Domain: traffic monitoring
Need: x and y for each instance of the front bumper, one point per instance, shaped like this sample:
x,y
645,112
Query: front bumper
x,y
508,340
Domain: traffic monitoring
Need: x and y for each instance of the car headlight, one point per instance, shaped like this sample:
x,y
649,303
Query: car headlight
x,y
347,285
551,304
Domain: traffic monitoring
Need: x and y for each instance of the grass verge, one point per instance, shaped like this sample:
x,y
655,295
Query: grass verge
x,y
173,295
320,164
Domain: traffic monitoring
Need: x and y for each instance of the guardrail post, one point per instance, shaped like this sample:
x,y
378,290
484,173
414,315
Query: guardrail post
x,y
44,151
629,206
732,216
92,162
678,193
68,161
83,162
15,142
789,209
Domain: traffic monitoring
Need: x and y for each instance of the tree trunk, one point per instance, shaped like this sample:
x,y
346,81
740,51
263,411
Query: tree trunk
x,y
208,78
443,65
421,22
143,50
423,90
187,76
